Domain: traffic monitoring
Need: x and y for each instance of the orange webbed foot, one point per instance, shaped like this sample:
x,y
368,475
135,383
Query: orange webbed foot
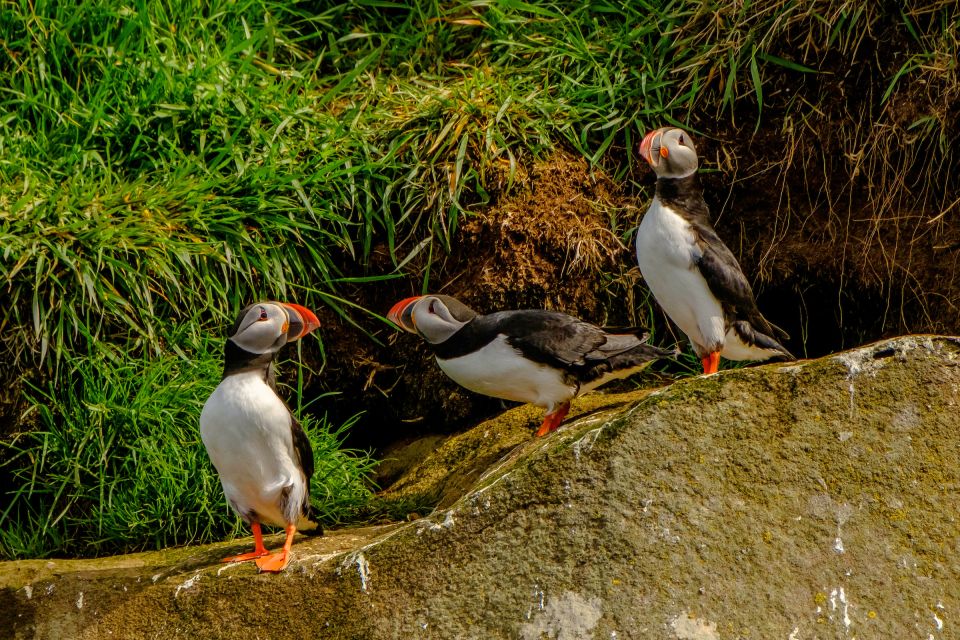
x,y
275,562
552,420
243,557
711,363
258,549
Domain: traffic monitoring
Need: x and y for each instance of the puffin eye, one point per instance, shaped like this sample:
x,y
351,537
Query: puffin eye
x,y
680,140
433,306
263,314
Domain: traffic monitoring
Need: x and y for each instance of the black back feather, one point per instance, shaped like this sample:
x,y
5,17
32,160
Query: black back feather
x,y
304,452
717,263
582,350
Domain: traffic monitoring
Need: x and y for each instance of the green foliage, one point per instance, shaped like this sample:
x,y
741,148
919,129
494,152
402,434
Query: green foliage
x,y
162,164
341,482
156,159
115,462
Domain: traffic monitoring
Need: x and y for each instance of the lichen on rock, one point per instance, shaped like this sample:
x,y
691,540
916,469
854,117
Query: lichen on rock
x,y
801,500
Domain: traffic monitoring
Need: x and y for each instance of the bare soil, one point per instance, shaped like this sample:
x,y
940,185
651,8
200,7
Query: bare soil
x,y
549,244
842,207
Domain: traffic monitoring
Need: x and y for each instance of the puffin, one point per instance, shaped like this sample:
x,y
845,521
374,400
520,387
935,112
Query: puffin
x,y
260,451
545,358
691,273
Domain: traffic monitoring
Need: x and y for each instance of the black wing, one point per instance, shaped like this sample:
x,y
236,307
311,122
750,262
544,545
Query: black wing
x,y
556,339
584,351
548,337
722,272
715,261
301,445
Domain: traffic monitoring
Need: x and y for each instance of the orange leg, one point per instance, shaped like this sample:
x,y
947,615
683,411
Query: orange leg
x,y
711,363
258,549
276,562
552,420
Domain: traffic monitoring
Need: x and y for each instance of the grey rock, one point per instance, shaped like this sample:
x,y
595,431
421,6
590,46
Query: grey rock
x,y
809,500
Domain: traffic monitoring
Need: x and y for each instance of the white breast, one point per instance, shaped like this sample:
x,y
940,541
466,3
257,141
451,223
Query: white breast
x,y
499,370
246,430
666,250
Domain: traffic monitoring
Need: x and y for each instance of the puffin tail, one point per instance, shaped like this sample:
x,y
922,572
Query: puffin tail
x,y
628,348
621,364
780,334
307,525
640,355
749,335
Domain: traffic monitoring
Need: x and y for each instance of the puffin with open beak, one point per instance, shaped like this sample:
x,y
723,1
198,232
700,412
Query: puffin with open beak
x,y
542,357
691,273
260,451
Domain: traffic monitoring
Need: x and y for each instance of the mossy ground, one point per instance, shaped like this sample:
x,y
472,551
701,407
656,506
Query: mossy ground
x,y
813,498
453,467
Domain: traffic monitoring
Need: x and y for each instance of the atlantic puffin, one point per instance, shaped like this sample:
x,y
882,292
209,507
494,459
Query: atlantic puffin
x,y
545,358
259,449
689,270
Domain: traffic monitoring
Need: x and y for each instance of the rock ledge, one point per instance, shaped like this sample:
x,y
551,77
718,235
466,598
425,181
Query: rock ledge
x,y
812,500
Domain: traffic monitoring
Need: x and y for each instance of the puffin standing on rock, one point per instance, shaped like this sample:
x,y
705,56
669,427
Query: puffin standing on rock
x,y
542,357
689,270
259,449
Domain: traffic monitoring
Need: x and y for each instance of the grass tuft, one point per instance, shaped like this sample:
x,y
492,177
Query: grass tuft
x,y
115,462
163,163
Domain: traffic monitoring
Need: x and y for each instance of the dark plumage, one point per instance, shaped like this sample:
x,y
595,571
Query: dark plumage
x,y
717,263
690,271
542,357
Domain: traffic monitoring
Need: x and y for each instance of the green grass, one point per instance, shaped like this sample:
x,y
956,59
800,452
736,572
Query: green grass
x,y
163,164
158,160
115,463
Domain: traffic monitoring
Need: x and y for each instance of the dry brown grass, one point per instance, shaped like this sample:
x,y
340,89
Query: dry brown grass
x,y
855,162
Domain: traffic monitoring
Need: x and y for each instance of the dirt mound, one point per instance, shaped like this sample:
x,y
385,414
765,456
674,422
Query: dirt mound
x,y
547,244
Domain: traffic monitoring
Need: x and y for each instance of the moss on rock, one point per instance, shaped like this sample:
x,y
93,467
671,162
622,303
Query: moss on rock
x,y
815,499
456,464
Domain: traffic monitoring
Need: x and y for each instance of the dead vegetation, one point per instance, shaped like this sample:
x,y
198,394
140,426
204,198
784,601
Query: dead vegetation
x,y
849,173
829,134
550,245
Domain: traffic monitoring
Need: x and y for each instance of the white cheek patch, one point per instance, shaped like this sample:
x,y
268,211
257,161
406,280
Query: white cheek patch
x,y
259,337
433,328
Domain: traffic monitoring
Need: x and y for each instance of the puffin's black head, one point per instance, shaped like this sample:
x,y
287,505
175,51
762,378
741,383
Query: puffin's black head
x,y
433,317
263,328
670,152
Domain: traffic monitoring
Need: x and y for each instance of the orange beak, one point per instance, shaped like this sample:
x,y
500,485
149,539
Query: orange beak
x,y
401,314
301,321
650,147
